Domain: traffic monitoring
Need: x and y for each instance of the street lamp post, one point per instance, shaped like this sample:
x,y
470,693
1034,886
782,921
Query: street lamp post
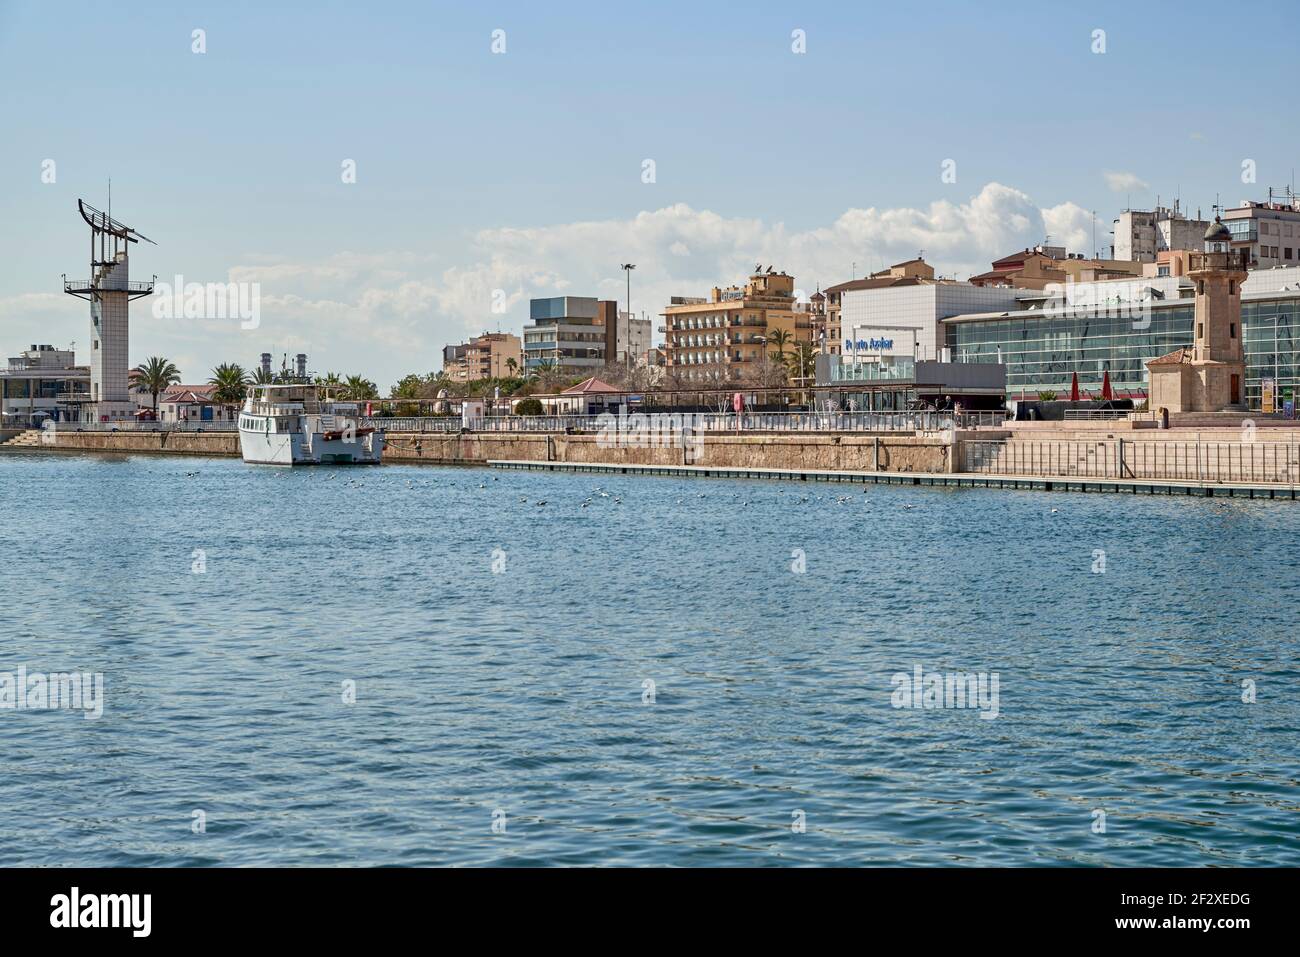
x,y
627,270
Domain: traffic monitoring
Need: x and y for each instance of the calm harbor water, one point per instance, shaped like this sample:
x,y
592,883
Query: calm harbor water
x,y
522,694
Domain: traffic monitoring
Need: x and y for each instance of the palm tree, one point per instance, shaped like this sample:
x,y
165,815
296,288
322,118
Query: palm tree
x,y
154,375
803,361
263,377
779,338
359,387
512,366
231,383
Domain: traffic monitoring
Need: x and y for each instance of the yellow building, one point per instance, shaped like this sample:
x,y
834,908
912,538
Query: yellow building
x,y
719,338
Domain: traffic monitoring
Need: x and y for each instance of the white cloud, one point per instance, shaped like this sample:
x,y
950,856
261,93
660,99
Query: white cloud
x,y
1071,226
1120,182
384,315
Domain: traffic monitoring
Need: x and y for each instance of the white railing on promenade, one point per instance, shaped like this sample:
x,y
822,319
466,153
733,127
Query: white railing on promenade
x,y
1263,462
191,426
702,422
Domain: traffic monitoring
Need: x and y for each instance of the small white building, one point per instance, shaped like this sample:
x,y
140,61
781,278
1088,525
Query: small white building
x,y
193,403
36,381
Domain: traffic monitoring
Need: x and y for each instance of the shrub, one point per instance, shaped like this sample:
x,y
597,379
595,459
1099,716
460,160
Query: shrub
x,y
529,407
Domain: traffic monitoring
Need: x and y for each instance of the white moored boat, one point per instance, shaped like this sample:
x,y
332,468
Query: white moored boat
x,y
292,425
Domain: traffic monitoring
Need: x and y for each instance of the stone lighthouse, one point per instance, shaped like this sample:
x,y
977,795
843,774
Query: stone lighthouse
x,y
1211,375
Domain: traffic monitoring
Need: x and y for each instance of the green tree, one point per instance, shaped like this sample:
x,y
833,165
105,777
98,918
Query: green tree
x,y
529,407
231,383
263,377
802,361
154,375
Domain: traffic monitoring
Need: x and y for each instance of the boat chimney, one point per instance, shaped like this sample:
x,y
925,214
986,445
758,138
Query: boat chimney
x,y
301,361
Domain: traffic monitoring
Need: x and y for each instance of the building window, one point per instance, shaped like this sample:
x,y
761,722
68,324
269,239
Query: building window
x,y
1232,330
1200,330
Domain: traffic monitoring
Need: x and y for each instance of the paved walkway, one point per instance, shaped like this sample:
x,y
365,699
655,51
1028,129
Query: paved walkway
x,y
1046,483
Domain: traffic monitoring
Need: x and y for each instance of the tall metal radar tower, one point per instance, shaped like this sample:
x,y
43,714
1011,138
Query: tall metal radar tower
x,y
109,292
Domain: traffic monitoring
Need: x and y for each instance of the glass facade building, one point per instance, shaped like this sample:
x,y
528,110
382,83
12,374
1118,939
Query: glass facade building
x,y
1043,350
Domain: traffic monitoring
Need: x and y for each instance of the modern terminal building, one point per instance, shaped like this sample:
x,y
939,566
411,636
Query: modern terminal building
x,y
1045,337
1117,327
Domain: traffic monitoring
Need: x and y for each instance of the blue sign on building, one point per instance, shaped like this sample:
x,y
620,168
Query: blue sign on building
x,y
868,345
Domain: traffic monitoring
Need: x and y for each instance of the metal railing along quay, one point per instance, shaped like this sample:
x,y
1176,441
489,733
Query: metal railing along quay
x,y
1093,415
701,422
1265,462
191,426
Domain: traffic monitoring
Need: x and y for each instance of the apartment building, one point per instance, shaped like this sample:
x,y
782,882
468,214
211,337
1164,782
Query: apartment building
x,y
1044,265
718,337
626,337
566,333
1141,234
492,355
1269,231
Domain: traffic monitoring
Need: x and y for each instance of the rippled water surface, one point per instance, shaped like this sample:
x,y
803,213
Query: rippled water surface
x,y
524,693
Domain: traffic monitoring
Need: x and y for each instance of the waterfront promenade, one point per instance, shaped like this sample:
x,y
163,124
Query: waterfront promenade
x,y
977,450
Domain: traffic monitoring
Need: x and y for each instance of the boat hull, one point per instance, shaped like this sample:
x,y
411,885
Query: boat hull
x,y
300,448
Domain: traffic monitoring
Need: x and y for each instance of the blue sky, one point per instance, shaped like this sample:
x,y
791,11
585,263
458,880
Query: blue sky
x,y
521,171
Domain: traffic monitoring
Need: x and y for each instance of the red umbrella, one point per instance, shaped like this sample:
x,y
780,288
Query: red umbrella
x,y
1105,386
1074,387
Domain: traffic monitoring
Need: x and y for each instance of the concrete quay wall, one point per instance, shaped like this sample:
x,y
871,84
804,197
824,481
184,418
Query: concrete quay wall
x,y
886,452
883,452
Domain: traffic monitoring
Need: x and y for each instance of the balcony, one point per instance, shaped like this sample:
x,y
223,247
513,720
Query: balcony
x,y
1234,260
85,287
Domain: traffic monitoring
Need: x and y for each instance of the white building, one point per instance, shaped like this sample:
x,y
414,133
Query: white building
x,y
34,383
1270,230
911,314
1141,234
633,339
